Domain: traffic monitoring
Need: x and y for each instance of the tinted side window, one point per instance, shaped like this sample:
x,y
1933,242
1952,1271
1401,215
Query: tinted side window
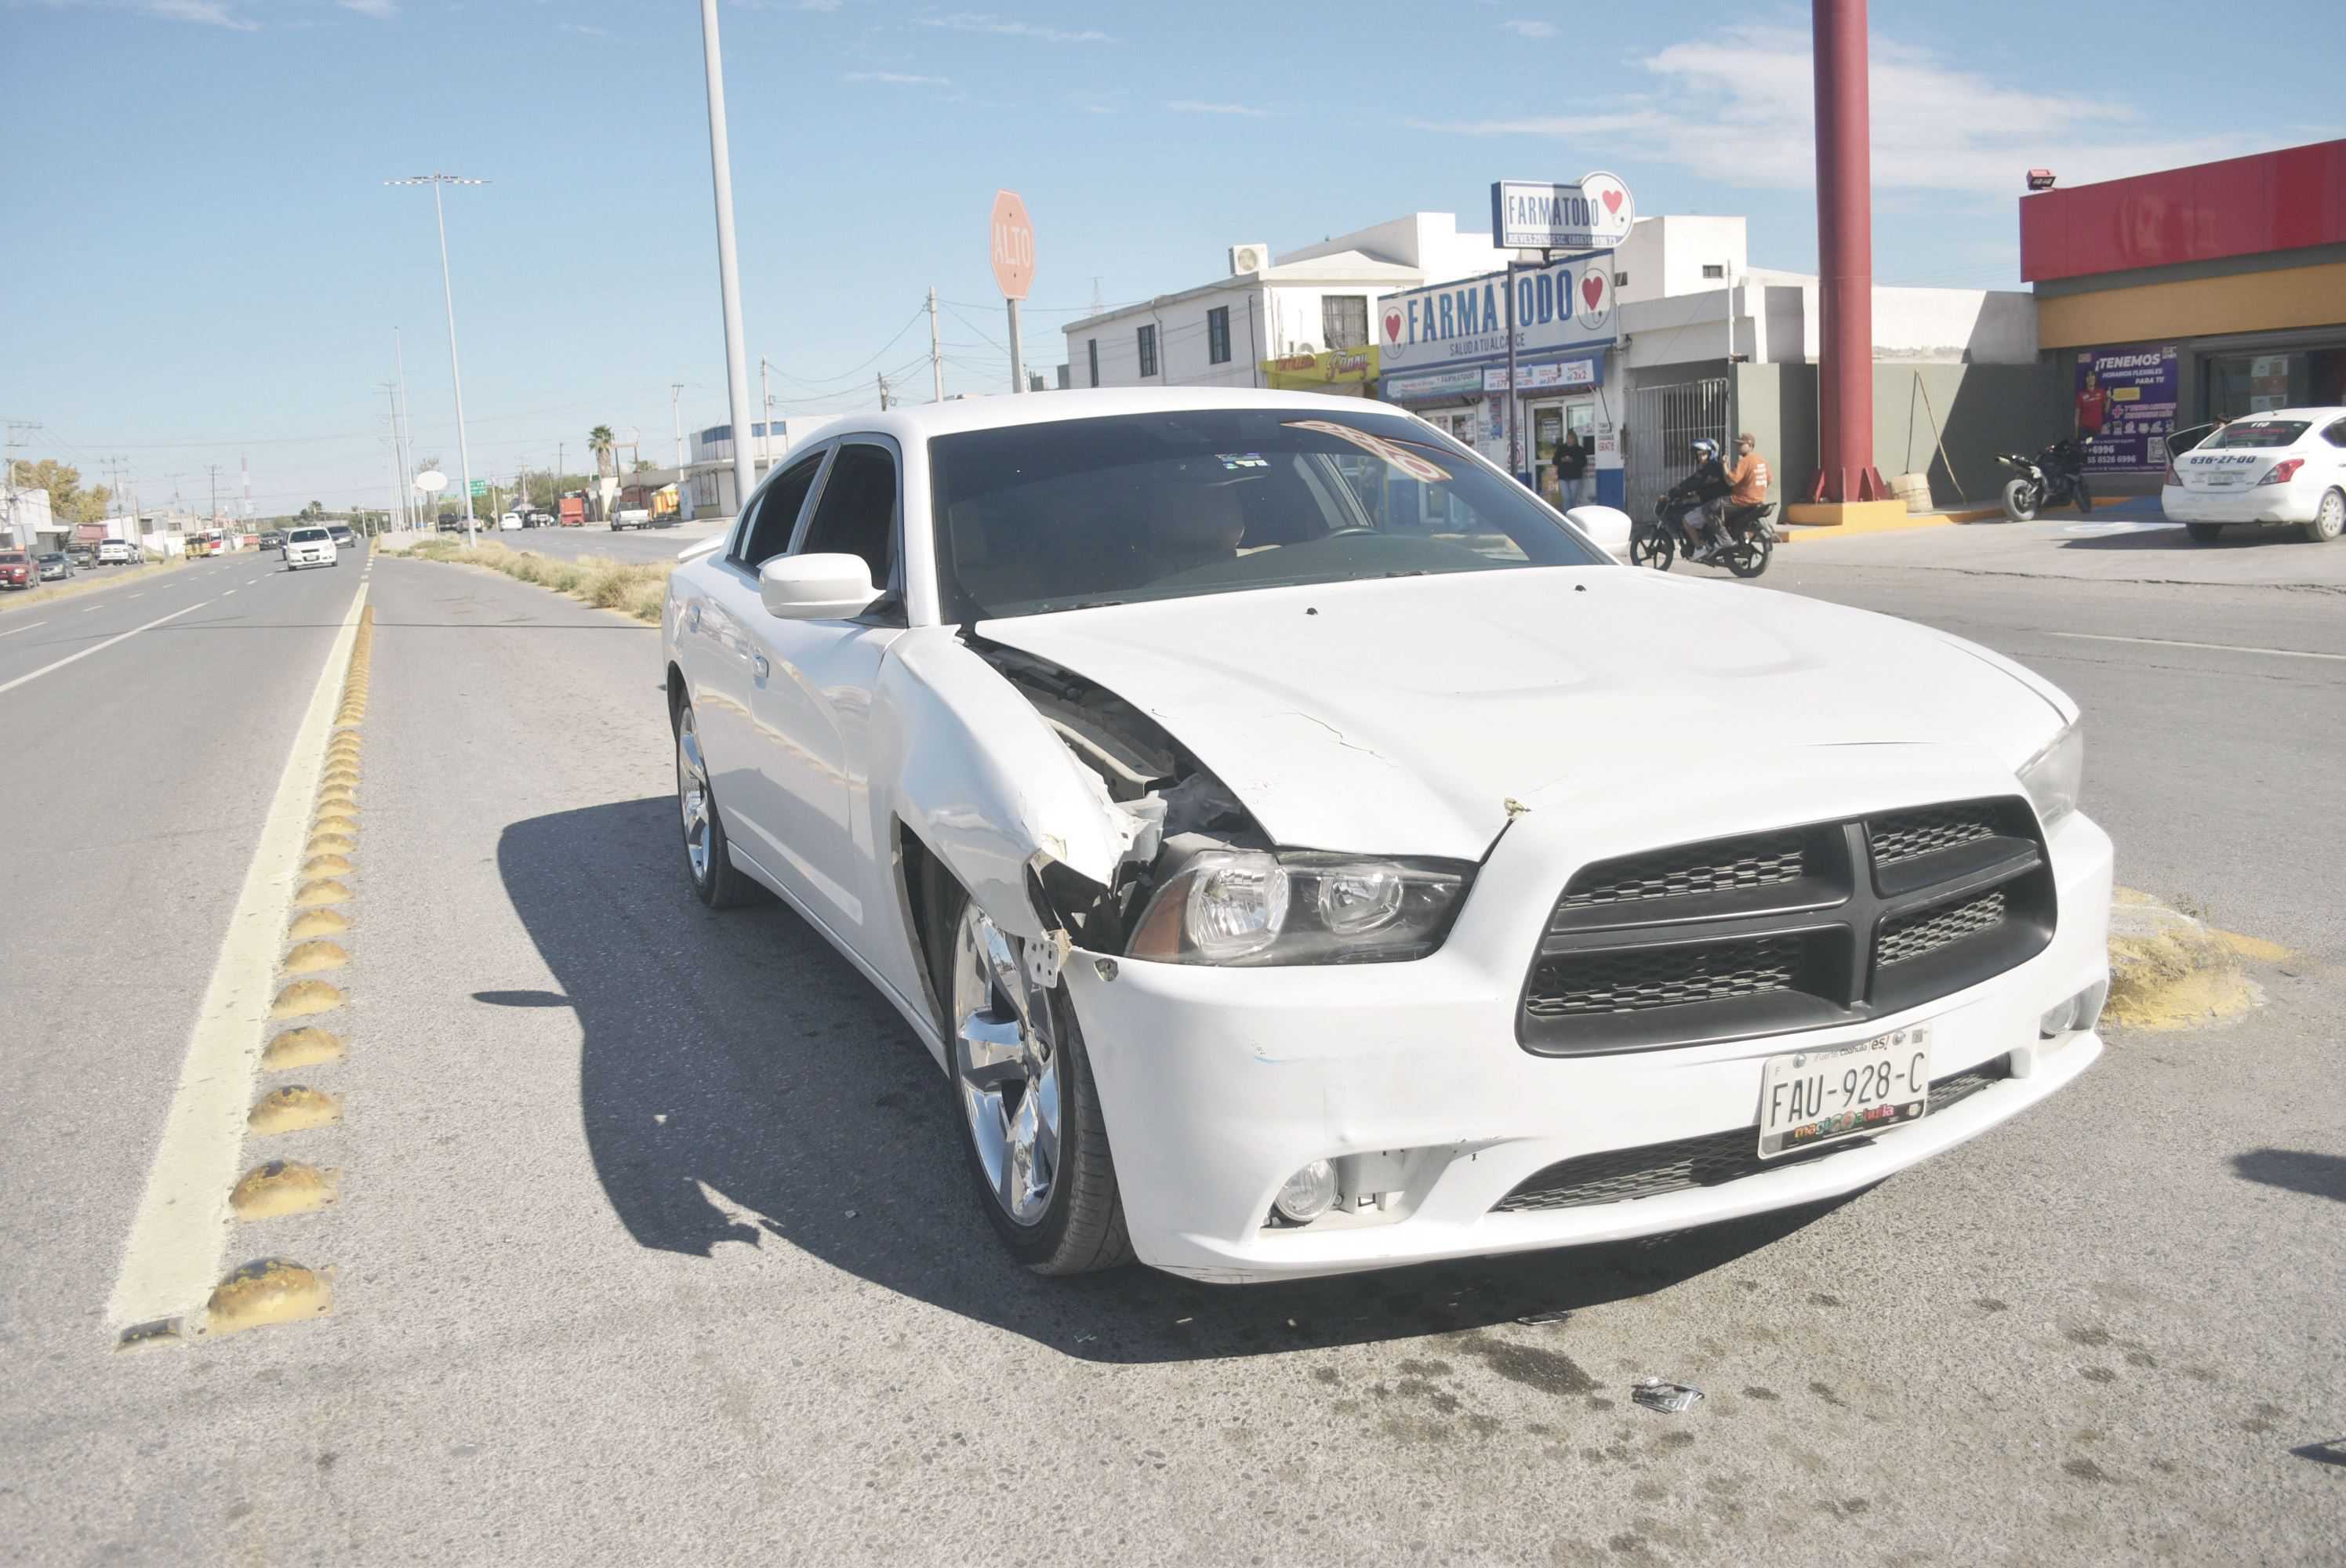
x,y
857,514
2336,434
777,515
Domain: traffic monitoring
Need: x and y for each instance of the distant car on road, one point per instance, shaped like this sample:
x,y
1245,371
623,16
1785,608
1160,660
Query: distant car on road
x,y
537,520
55,567
83,556
309,547
17,570
509,521
344,538
2286,468
116,552
632,517
451,523
273,540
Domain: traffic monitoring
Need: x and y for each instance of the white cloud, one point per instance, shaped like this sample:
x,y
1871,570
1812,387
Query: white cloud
x,y
817,5
1193,106
898,78
1522,29
1741,107
211,13
986,22
380,10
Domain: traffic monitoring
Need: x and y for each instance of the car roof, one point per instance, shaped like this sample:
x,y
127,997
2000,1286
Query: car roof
x,y
2316,413
920,422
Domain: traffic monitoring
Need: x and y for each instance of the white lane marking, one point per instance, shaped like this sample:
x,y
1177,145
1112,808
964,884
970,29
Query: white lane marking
x,y
172,1257
2174,642
12,631
100,647
93,609
139,595
231,591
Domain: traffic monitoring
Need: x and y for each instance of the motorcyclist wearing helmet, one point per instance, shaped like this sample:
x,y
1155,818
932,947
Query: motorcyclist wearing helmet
x,y
1700,493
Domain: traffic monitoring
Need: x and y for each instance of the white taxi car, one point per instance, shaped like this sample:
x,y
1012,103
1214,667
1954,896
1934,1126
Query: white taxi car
x,y
2283,468
308,547
1304,852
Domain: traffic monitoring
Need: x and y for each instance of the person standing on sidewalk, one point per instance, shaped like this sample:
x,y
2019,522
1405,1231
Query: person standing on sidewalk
x,y
1571,473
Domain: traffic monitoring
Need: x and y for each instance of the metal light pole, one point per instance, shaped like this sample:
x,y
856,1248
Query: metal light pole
x,y
729,277
448,291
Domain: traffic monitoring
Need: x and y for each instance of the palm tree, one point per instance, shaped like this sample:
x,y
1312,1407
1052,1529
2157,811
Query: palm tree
x,y
605,447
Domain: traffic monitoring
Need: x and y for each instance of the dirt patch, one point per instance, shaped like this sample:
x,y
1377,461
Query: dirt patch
x,y
2171,970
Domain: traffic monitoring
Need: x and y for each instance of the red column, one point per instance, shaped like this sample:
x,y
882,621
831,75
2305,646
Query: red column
x,y
1844,257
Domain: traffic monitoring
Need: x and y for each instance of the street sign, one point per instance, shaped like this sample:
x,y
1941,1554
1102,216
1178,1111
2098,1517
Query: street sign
x,y
432,482
1593,213
479,488
1014,246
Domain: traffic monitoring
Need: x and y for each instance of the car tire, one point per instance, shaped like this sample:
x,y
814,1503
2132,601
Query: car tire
x,y
716,881
2204,533
2019,500
2328,519
1076,1226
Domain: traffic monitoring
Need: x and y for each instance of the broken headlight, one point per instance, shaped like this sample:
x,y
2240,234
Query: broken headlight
x,y
1247,907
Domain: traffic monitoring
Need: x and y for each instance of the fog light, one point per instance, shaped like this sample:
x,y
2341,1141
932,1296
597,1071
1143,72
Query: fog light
x,y
1308,1193
2080,1012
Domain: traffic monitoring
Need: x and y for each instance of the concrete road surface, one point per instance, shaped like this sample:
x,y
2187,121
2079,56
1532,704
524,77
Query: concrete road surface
x,y
653,1241
627,544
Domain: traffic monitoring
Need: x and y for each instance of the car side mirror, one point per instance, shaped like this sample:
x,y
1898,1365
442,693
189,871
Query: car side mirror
x,y
1607,528
826,587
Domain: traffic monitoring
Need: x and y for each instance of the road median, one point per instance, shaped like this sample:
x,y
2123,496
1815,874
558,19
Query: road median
x,y
634,588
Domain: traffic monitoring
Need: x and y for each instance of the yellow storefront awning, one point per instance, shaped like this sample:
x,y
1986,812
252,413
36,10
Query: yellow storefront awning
x,y
1332,370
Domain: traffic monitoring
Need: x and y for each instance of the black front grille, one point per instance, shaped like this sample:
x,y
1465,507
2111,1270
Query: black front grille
x,y
1763,860
1905,835
1634,979
1619,1175
1799,928
1913,935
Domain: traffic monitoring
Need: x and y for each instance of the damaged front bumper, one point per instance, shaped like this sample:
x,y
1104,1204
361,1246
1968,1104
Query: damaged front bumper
x,y
1219,1083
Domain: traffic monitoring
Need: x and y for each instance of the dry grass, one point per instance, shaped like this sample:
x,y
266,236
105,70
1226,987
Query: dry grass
x,y
88,580
636,588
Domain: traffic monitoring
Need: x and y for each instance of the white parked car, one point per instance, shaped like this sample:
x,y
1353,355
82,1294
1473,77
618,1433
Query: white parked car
x,y
309,547
1304,851
116,552
509,523
2287,467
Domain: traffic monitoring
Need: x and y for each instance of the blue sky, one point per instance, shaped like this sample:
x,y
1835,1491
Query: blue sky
x,y
206,264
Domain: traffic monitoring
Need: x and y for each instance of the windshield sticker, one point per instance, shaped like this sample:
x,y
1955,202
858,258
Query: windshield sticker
x,y
1391,453
1236,460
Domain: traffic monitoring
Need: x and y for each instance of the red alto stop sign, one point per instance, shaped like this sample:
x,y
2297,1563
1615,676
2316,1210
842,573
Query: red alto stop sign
x,y
1013,246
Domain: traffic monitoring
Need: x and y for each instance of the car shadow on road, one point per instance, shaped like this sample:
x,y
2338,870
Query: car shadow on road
x,y
741,1082
2296,1170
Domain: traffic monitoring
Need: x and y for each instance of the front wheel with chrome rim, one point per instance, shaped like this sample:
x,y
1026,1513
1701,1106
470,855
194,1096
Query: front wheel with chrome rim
x,y
1029,1112
716,881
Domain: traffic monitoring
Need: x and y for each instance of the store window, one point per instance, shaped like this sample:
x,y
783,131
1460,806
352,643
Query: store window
x,y
1147,341
1218,335
2238,384
1344,320
1091,353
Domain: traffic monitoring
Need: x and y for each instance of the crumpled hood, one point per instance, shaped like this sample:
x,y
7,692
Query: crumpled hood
x,y
1403,717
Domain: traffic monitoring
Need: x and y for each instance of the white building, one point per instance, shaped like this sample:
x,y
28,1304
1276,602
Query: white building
x,y
1317,300
710,469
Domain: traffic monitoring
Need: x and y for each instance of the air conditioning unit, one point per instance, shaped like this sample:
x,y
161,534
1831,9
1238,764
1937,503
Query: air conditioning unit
x,y
1245,258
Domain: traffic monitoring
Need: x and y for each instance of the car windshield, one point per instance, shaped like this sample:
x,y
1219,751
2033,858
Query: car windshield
x,y
2246,434
12,557
307,535
1073,514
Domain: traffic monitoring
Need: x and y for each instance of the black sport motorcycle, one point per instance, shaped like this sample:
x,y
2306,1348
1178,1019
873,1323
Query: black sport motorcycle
x,y
2054,477
1750,537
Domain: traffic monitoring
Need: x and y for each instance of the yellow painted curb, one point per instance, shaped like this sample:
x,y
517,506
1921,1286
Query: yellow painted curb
x,y
265,1291
294,1108
318,923
324,842
325,866
305,997
307,1046
277,1188
321,891
310,957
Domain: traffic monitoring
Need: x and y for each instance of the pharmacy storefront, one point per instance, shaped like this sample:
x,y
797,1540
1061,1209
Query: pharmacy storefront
x,y
1442,353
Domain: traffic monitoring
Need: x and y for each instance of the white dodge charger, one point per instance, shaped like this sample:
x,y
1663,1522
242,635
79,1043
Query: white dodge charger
x,y
1304,852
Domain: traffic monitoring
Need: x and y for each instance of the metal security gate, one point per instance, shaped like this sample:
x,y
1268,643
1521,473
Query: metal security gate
x,y
1663,422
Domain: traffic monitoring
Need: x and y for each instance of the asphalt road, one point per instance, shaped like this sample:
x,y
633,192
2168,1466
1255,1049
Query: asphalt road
x,y
654,1242
596,539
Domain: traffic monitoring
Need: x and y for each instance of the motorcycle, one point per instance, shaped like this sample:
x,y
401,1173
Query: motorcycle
x,y
2054,477
1750,537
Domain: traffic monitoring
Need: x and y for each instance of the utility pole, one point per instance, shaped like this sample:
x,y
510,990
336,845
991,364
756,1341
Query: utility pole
x,y
766,390
448,291
399,484
882,379
213,519
17,535
406,433
728,272
675,411
936,361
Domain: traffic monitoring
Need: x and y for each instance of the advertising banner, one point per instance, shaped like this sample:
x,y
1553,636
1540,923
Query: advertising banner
x,y
1596,211
2126,401
1566,305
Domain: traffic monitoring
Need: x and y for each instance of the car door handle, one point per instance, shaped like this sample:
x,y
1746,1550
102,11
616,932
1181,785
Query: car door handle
x,y
757,663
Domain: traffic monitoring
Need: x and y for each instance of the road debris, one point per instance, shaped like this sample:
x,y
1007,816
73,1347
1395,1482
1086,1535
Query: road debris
x,y
1670,1399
